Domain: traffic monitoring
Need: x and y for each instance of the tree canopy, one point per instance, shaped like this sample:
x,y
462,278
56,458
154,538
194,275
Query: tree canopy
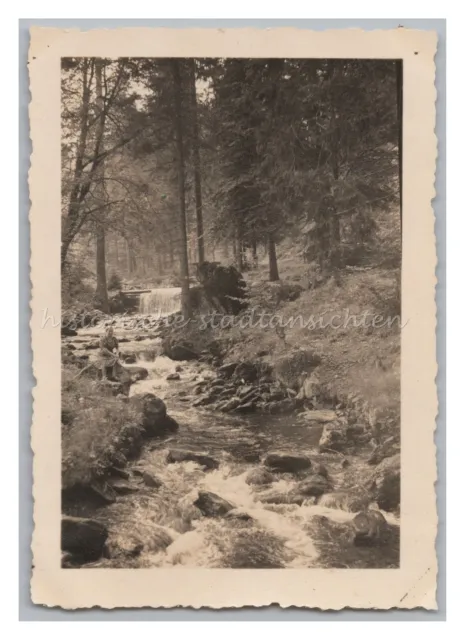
x,y
168,162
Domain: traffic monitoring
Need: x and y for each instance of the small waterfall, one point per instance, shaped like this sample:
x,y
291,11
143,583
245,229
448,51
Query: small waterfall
x,y
162,302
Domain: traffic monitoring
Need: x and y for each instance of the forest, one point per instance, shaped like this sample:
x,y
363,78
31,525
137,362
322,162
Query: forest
x,y
231,189
167,163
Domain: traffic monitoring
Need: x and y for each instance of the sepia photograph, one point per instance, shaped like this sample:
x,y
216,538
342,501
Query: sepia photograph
x,y
233,321
231,251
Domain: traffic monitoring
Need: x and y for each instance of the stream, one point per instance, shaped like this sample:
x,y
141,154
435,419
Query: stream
x,y
165,527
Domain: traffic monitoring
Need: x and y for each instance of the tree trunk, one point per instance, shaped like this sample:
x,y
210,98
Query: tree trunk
x,y
171,252
159,263
88,161
178,126
335,247
71,222
400,108
239,254
131,259
101,292
335,240
254,251
197,167
234,248
116,253
273,261
128,257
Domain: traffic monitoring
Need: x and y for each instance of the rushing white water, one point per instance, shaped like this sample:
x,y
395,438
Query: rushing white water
x,y
287,526
162,302
156,381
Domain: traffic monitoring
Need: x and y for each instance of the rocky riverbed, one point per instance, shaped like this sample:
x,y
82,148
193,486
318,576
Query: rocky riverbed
x,y
236,469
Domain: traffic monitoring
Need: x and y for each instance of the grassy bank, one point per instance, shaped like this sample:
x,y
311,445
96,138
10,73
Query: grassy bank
x,y
359,358
98,429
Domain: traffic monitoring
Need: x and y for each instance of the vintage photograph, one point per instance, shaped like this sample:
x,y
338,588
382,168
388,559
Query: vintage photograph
x,y
231,312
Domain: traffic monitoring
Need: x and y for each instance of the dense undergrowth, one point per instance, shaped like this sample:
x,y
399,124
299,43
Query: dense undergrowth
x,y
355,361
98,430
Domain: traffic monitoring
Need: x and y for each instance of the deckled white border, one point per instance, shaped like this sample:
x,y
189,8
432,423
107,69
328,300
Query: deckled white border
x,y
414,584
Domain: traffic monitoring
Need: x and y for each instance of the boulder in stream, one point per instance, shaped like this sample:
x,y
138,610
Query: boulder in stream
x,y
94,344
282,497
369,528
245,453
287,462
321,415
385,483
120,473
179,350
202,459
137,373
212,505
67,332
246,407
333,438
83,538
95,494
345,501
247,371
314,485
286,406
154,417
123,487
259,476
170,425
238,514
203,400
151,480
229,405
218,383
244,390
227,370
173,376
319,469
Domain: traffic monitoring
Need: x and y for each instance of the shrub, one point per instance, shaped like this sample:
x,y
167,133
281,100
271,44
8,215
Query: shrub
x,y
388,299
75,286
290,367
96,425
114,282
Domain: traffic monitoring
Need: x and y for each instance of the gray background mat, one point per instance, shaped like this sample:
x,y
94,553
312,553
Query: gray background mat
x,y
30,612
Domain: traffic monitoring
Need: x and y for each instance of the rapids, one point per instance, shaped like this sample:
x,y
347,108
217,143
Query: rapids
x,y
172,530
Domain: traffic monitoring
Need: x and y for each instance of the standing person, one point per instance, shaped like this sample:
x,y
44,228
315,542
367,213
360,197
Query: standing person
x,y
109,354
